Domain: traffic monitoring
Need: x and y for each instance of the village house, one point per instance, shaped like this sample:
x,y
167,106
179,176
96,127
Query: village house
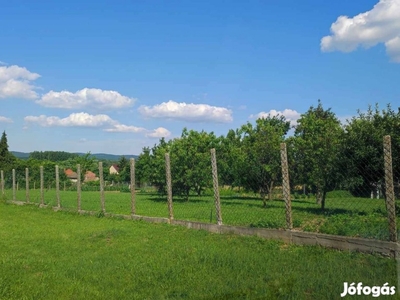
x,y
90,176
71,175
114,169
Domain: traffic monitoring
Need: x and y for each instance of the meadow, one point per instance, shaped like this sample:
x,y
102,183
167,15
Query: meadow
x,y
344,215
64,255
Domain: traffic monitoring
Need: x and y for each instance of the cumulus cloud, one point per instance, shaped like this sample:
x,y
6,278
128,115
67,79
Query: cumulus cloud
x,y
187,112
16,82
95,121
125,128
159,133
87,97
289,114
5,120
73,120
381,24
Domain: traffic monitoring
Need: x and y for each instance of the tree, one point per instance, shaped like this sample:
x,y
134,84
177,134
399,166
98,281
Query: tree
x,y
7,159
143,167
261,168
317,145
191,162
363,151
87,163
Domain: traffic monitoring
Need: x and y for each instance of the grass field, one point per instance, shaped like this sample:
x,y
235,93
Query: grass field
x,y
63,255
348,216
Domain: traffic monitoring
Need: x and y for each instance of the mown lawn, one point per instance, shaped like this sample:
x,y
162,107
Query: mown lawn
x,y
63,255
349,216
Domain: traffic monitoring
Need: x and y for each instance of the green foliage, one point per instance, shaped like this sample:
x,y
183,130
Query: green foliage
x,y
316,146
363,151
7,160
260,166
55,156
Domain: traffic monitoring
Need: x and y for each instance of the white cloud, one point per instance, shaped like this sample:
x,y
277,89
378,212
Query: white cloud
x,y
2,63
379,25
159,133
16,82
95,121
73,120
125,128
289,114
187,112
5,120
87,97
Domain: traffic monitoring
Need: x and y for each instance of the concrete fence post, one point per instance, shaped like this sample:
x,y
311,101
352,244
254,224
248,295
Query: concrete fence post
x,y
13,185
78,186
216,186
133,187
27,185
41,186
286,186
169,185
390,198
2,182
58,187
101,178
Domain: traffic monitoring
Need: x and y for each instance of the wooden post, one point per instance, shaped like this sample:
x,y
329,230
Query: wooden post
x,y
390,199
216,187
41,186
169,186
78,186
13,185
101,177
58,187
27,185
133,187
2,182
286,186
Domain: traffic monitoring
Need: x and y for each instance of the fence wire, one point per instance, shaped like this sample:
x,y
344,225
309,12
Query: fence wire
x,y
350,195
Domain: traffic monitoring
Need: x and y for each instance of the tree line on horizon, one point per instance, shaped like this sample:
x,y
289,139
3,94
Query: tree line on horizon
x,y
323,155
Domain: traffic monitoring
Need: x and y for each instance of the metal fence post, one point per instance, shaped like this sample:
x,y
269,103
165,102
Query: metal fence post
x,y
216,186
169,185
286,186
389,187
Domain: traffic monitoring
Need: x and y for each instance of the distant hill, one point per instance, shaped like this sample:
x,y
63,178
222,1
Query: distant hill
x,y
100,156
20,155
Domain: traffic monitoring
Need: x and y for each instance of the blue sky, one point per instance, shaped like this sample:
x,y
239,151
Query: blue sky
x,y
115,76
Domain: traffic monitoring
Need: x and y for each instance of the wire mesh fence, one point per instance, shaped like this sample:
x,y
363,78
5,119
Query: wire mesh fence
x,y
347,194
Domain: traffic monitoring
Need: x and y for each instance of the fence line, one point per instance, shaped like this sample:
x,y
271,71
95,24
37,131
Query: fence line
x,y
230,206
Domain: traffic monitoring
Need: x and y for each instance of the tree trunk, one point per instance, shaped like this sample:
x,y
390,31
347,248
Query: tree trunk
x,y
270,189
263,194
323,200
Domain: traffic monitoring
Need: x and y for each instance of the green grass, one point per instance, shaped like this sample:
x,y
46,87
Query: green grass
x,y
344,215
63,255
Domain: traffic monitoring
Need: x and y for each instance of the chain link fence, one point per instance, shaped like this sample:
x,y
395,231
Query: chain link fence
x,y
356,197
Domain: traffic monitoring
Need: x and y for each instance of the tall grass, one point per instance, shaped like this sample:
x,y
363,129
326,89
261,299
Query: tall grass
x,y
61,255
